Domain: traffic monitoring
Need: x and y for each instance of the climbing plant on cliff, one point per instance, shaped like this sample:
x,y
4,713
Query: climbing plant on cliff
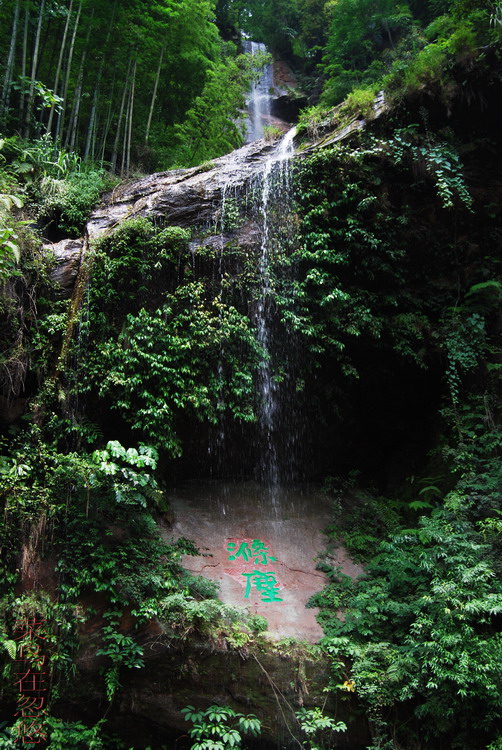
x,y
157,353
421,626
357,268
421,630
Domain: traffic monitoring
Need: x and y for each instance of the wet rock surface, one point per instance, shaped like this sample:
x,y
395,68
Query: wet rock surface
x,y
246,532
68,257
271,680
186,197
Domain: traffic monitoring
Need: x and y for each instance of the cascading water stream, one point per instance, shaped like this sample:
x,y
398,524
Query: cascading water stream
x,y
260,96
275,187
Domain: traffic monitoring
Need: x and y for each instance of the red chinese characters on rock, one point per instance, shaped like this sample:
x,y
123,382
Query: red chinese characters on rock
x,y
31,703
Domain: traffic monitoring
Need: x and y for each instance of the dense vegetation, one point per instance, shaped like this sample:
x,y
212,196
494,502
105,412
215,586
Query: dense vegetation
x,y
421,628
387,292
126,83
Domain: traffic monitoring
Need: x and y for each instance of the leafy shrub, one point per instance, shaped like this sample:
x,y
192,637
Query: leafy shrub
x,y
67,202
161,359
359,102
219,727
318,728
419,627
184,616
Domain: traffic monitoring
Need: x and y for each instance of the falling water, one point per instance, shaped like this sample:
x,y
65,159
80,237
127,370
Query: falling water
x,y
260,97
275,187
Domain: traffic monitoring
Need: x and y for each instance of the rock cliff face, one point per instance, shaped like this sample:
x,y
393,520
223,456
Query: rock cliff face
x,y
289,521
186,197
193,197
271,681
223,203
68,257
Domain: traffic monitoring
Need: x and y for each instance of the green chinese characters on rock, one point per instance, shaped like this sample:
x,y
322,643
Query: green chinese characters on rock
x,y
265,583
257,553
253,553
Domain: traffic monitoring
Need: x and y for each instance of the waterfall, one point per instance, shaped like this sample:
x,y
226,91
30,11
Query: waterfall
x,y
275,191
260,96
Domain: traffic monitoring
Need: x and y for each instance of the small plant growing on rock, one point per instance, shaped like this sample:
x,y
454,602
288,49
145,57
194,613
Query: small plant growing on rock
x,y
271,133
318,727
219,727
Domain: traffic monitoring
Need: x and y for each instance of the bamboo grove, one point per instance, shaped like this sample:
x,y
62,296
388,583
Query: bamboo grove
x,y
120,82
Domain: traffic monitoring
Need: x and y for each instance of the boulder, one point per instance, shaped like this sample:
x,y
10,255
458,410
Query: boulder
x,y
68,257
185,197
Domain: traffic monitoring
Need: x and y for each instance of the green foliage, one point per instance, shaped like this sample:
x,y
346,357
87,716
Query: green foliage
x,y
385,271
60,190
312,120
109,106
106,542
359,102
130,486
161,360
210,126
68,202
122,651
276,23
355,250
441,162
64,735
361,34
369,519
23,279
315,724
31,161
10,253
257,623
403,48
154,255
419,638
219,727
271,133
76,735
185,616
420,626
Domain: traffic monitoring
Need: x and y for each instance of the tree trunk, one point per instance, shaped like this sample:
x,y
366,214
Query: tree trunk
x,y
25,56
92,124
59,65
123,164
61,114
34,67
154,96
108,122
95,100
115,151
10,61
131,110
71,134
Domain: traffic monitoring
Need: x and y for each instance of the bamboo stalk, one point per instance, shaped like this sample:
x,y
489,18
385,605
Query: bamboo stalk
x,y
154,95
10,61
34,68
59,65
24,56
115,151
61,114
131,110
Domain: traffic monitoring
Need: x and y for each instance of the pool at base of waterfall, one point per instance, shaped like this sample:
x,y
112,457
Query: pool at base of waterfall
x,y
261,545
